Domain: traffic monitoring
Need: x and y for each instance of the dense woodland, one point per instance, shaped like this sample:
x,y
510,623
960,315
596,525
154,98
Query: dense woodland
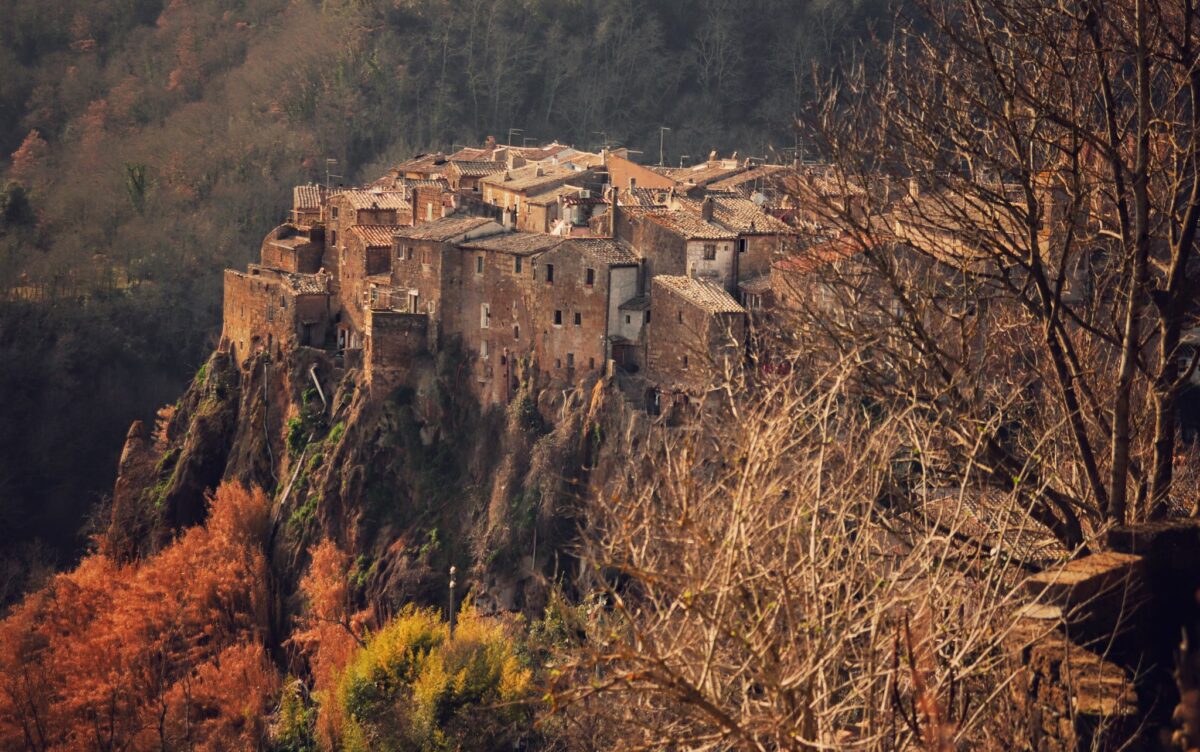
x,y
145,145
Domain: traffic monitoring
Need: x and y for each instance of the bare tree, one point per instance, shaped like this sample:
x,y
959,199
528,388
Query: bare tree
x,y
1037,162
771,586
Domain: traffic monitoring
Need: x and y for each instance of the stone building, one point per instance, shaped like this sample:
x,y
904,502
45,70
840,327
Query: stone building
x,y
676,242
271,310
367,254
307,201
578,288
761,238
426,267
697,335
294,248
358,207
392,340
511,189
464,176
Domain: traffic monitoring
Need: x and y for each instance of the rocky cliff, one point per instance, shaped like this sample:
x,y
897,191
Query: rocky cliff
x,y
410,481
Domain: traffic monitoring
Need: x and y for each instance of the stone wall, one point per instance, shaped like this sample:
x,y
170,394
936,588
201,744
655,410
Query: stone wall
x,y
392,341
687,347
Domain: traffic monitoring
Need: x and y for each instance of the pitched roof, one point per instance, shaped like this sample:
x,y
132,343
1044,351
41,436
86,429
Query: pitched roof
x,y
530,177
763,172
427,163
551,196
516,243
306,284
307,196
645,197
375,199
705,295
475,169
444,229
686,224
702,174
756,285
607,251
374,236
741,215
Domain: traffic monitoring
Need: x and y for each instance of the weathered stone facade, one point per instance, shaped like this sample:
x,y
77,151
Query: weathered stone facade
x,y
696,334
268,310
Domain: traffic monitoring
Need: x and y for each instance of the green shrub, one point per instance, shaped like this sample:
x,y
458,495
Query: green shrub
x,y
411,688
293,730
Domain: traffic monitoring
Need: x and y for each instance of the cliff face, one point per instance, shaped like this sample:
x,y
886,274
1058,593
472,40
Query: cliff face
x,y
409,482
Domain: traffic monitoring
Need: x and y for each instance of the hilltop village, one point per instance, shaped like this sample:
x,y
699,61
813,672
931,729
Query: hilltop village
x,y
544,263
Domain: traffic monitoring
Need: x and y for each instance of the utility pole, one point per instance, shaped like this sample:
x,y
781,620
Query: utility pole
x,y
662,140
603,135
452,583
330,163
683,158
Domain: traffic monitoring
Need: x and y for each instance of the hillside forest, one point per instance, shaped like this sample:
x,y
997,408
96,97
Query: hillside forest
x,y
145,145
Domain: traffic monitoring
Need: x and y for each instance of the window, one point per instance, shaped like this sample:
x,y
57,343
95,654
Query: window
x,y
679,315
627,319
409,252
485,316
685,361
647,317
414,302
333,237
549,272
590,277
710,251
558,362
516,331
483,350
570,360
741,245
578,319
479,264
334,210
429,212
425,256
282,302
517,264
558,318
591,364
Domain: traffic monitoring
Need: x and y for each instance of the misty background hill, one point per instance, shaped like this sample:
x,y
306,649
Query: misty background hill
x,y
146,145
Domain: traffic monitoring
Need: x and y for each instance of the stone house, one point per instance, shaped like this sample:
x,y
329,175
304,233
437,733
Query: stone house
x,y
493,310
358,207
367,254
307,202
511,189
464,177
697,335
271,310
761,238
426,268
678,243
577,290
294,248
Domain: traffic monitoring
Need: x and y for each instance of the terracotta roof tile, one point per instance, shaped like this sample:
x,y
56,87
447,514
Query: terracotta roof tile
x,y
530,177
741,215
375,199
516,243
765,173
446,228
707,296
474,169
607,251
307,196
375,236
685,224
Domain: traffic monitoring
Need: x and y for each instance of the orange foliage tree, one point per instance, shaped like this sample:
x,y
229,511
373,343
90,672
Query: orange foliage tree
x,y
163,654
329,633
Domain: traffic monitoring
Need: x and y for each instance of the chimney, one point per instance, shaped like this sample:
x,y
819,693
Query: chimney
x,y
706,209
537,172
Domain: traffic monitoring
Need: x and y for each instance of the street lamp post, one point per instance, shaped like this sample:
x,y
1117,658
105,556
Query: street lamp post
x,y
662,136
452,584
